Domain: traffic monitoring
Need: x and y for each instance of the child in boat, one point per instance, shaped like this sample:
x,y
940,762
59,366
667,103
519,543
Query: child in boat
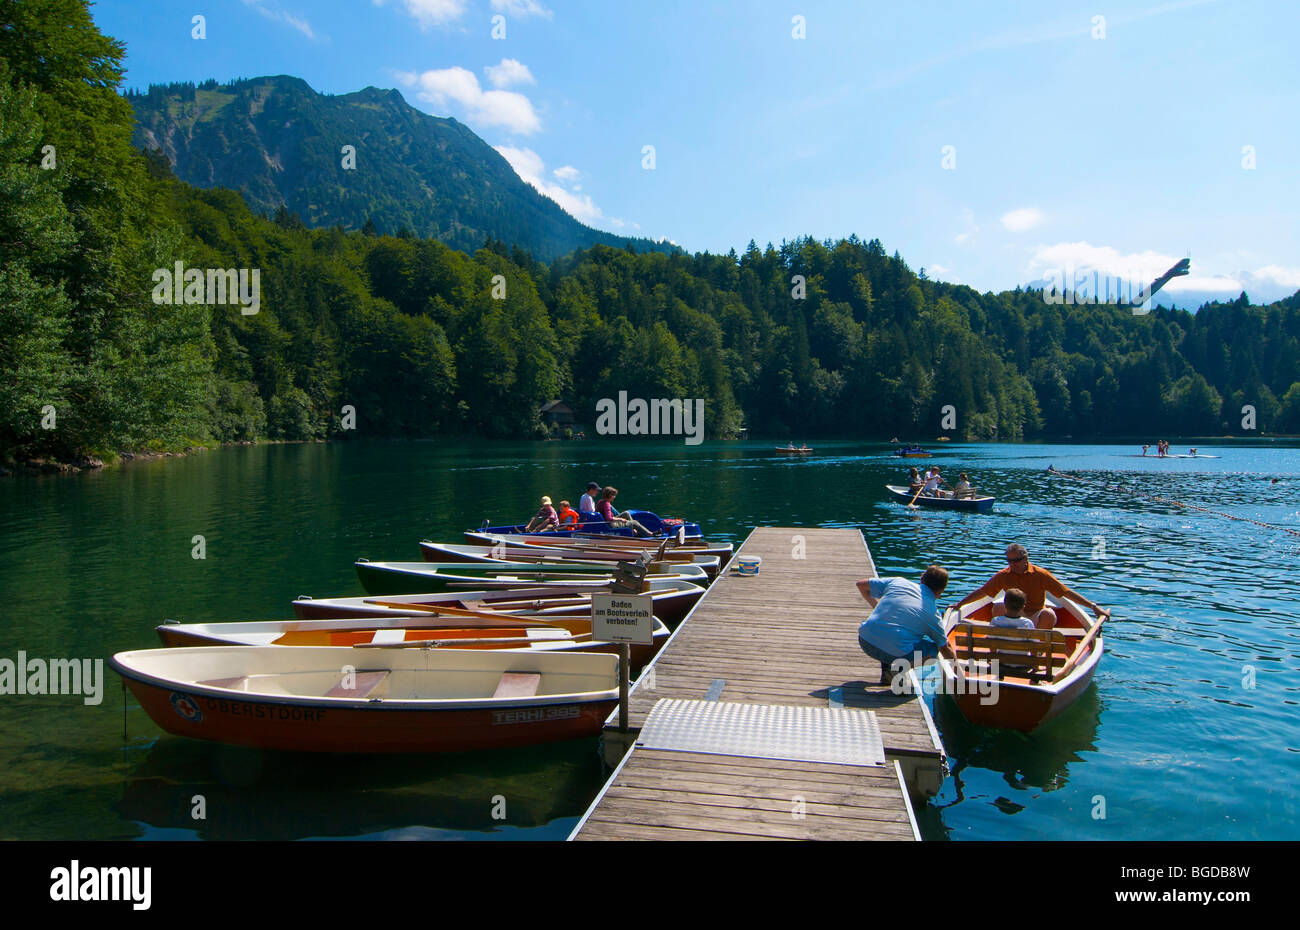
x,y
914,481
1014,603
568,516
546,518
963,488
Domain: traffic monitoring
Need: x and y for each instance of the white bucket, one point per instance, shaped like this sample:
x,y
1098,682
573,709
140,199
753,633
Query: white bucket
x,y
748,564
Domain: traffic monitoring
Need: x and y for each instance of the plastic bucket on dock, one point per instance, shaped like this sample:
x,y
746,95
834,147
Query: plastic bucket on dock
x,y
748,564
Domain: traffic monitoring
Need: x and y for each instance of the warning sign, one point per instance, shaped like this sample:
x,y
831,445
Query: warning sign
x,y
622,618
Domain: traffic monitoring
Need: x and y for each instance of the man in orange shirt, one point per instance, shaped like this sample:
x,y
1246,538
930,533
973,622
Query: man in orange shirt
x,y
1036,582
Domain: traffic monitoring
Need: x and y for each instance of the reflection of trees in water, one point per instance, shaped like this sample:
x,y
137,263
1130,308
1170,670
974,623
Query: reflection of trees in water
x,y
1027,761
251,794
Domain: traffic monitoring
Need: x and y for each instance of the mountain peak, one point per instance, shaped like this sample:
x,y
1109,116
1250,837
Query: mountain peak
x,y
280,143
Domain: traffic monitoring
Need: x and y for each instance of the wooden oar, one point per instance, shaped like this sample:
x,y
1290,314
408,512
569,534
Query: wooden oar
x,y
1079,649
436,643
506,620
912,503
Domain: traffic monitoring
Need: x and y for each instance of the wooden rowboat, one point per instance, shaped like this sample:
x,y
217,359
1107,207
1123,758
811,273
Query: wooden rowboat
x,y
331,699
672,601
438,631
1038,673
426,577
981,504
782,450
501,552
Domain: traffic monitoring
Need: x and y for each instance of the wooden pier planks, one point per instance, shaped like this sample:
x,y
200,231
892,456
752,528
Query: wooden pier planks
x,y
786,636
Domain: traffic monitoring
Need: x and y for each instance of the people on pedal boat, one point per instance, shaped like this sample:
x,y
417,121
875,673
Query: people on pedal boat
x,y
1035,582
606,509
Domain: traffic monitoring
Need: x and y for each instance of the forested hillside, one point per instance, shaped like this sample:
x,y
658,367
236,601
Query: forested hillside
x,y
811,339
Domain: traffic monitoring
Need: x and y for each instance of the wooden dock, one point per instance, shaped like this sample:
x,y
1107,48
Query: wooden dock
x,y
784,637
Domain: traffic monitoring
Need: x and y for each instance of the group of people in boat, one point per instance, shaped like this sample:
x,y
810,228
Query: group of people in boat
x,y
927,485
904,625
597,501
801,448
910,449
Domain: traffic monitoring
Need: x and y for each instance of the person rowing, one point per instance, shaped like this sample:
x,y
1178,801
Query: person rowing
x,y
932,481
1035,582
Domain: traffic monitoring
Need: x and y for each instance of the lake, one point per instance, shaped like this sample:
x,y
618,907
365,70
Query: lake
x,y
1191,729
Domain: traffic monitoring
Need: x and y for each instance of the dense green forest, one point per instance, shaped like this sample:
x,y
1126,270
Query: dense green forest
x,y
410,334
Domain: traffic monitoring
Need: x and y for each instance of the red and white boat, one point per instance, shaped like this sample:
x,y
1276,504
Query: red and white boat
x,y
355,700
1019,679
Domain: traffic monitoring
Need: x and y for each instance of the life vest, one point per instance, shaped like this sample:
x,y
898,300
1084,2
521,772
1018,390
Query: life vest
x,y
570,516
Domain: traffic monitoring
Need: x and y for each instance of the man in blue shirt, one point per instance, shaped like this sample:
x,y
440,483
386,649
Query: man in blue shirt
x,y
905,623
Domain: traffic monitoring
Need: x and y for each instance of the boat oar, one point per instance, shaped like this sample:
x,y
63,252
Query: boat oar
x,y
505,619
912,503
497,640
1079,649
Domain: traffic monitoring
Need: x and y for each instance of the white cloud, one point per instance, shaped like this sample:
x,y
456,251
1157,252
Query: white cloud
x,y
510,71
528,165
1086,258
1287,277
1025,218
566,173
280,16
521,8
446,86
432,12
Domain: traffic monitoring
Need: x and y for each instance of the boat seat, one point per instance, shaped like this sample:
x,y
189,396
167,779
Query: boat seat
x,y
517,685
232,684
366,684
1036,654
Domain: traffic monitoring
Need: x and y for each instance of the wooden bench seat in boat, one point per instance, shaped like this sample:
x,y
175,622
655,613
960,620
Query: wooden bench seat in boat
x,y
517,685
1035,654
365,685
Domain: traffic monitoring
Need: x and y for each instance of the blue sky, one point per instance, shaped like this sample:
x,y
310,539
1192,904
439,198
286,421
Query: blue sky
x,y
1119,145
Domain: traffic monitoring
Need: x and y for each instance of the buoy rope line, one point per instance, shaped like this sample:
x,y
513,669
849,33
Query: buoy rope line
x,y
1174,503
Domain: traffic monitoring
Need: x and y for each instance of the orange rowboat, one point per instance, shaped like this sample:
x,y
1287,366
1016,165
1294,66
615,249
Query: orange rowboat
x,y
1019,679
557,634
327,699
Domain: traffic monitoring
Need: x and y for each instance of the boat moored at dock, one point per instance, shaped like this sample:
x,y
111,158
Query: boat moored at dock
x,y
329,699
1019,679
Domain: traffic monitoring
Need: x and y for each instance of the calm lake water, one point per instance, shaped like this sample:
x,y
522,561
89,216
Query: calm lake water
x,y
1190,731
